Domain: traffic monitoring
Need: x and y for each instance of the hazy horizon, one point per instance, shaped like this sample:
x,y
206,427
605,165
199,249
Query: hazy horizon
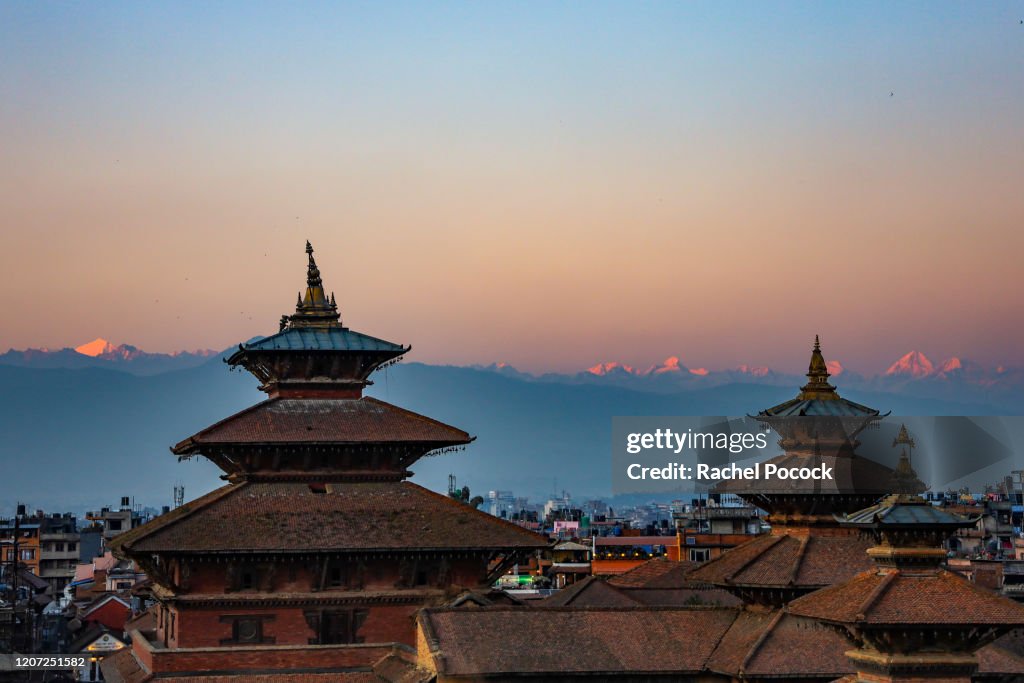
x,y
548,185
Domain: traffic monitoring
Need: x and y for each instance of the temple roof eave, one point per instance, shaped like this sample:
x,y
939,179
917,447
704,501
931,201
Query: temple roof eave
x,y
305,340
310,423
189,448
278,517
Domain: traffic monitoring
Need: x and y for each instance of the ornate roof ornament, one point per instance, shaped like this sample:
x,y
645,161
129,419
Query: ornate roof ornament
x,y
313,353
817,386
314,309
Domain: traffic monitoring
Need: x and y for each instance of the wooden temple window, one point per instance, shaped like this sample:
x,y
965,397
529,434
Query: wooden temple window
x,y
338,627
336,576
339,574
247,630
245,577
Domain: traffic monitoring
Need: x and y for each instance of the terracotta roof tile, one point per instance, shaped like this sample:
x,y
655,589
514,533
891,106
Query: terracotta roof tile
x,y
1005,655
590,592
122,667
401,667
898,597
290,516
797,647
779,644
801,561
611,641
682,597
737,642
657,573
323,421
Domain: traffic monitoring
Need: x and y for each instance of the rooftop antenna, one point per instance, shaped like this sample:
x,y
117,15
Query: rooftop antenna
x,y
179,494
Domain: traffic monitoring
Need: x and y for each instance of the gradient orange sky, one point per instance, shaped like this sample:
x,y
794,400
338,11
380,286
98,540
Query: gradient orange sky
x,y
549,185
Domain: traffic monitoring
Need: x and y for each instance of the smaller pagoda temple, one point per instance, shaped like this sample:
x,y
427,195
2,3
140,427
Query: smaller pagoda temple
x,y
318,552
807,549
911,618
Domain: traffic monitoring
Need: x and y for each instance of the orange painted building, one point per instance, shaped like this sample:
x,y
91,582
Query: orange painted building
x,y
618,554
19,539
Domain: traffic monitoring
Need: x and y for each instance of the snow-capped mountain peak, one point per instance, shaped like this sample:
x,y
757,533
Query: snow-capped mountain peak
x,y
914,364
754,370
670,364
602,369
97,347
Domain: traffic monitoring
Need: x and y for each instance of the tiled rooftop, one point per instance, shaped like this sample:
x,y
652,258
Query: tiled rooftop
x,y
290,516
656,573
807,561
780,645
605,641
323,421
901,597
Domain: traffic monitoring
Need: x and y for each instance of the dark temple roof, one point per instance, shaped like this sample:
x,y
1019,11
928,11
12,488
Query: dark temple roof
x,y
779,645
659,572
293,517
323,421
320,339
788,561
563,641
896,597
897,511
813,407
593,591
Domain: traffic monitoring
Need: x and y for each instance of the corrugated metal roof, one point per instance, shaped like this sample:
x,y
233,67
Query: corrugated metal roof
x,y
323,338
898,510
839,407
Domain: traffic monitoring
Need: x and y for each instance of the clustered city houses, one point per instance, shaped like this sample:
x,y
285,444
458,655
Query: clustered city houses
x,y
320,561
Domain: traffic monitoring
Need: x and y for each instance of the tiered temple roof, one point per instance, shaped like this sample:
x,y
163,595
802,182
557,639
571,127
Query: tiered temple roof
x,y
806,549
299,517
316,554
772,569
909,615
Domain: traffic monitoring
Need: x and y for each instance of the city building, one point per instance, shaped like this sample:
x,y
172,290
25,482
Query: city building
x,y
58,550
19,541
113,521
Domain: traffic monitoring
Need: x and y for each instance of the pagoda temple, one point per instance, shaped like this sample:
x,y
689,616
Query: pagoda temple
x,y
794,623
911,618
807,549
317,553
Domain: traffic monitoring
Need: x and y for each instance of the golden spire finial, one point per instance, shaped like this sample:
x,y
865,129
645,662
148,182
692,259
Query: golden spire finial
x,y
904,438
312,273
817,386
314,308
